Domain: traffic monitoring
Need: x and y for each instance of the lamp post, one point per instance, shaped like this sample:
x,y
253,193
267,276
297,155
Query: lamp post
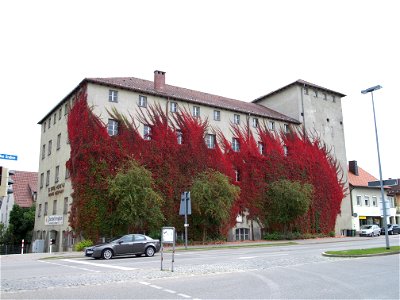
x,y
371,90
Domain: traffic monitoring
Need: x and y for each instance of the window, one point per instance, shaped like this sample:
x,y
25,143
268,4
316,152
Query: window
x,y
374,201
142,101
54,207
43,151
255,122
333,99
235,145
146,132
366,200
315,93
44,127
271,125
58,141
54,118
237,175
48,178
45,208
39,210
50,146
196,111
217,115
324,96
285,150
306,91
41,180
359,200
112,127
242,234
66,109
112,96
67,173
179,136
286,128
59,113
173,107
210,141
49,123
56,177
236,119
261,147
65,210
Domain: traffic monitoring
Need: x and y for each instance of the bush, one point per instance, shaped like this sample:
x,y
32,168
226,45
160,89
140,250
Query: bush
x,y
83,244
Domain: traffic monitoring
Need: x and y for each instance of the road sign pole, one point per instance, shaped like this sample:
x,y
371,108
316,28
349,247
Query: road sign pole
x,y
186,214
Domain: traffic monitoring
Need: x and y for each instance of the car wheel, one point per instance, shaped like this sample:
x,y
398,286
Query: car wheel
x,y
107,254
150,251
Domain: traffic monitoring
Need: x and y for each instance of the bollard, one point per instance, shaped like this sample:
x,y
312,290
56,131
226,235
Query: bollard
x,y
22,248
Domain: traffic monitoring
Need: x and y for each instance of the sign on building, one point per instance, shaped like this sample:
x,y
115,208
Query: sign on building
x,y
54,220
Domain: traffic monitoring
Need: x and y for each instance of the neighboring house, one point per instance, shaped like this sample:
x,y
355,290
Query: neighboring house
x,y
367,207
303,103
21,190
394,191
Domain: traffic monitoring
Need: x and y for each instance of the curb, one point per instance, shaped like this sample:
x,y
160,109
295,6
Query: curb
x,y
360,255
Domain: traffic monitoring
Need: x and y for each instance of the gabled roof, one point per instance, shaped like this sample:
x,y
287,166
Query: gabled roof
x,y
25,185
178,93
362,179
301,83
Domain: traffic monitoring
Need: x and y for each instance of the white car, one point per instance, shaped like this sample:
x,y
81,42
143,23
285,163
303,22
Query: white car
x,y
370,230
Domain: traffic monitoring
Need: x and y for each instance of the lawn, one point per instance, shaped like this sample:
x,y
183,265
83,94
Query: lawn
x,y
368,251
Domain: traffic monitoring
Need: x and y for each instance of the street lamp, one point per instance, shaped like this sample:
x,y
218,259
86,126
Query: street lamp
x,y
371,90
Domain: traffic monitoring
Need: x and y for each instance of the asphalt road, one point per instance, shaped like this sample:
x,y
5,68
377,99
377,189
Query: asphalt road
x,y
279,272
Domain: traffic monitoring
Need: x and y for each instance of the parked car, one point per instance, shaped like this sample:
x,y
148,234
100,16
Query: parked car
x,y
130,244
392,229
370,230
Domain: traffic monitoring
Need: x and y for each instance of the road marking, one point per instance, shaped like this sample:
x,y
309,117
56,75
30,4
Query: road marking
x,y
247,257
99,265
170,291
165,290
184,296
155,286
84,269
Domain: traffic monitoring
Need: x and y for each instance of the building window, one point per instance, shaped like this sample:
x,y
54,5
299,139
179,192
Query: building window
x,y
66,109
44,127
45,208
285,150
236,119
315,93
112,96
196,111
146,132
65,211
235,145
49,123
58,141
112,127
261,147
54,118
374,201
255,122
43,151
142,101
366,200
59,113
359,200
210,141
242,234
237,175
286,128
217,115
306,91
271,125
54,207
56,177
50,146
41,180
173,107
324,96
39,210
179,137
67,173
48,178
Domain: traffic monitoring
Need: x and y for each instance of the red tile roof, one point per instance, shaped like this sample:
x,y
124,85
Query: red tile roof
x,y
174,92
362,179
25,184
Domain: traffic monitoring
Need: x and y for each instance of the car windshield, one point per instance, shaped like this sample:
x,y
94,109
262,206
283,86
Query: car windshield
x,y
115,239
366,227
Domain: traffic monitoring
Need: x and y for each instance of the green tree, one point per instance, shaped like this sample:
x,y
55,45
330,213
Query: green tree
x,y
212,198
22,221
287,200
138,205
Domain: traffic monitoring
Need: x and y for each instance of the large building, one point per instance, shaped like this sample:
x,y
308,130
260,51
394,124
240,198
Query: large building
x,y
299,103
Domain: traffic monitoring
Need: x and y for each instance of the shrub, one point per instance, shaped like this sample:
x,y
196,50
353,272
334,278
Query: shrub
x,y
83,244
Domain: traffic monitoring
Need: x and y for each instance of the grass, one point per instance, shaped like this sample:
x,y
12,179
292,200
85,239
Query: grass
x,y
368,251
208,247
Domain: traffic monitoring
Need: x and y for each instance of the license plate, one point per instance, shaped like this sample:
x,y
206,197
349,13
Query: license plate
x,y
89,251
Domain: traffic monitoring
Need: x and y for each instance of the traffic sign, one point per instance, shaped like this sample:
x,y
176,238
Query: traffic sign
x,y
8,156
387,182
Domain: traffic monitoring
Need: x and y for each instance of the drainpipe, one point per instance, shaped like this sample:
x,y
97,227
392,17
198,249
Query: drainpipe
x,y
302,109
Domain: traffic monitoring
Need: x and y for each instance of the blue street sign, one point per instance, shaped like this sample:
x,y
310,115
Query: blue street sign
x,y
387,182
8,156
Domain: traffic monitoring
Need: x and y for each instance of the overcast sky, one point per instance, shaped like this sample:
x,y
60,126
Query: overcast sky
x,y
236,49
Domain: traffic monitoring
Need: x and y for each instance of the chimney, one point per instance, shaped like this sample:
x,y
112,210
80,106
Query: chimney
x,y
353,168
159,80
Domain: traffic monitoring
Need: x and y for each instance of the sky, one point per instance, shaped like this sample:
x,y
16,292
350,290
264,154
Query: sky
x,y
236,49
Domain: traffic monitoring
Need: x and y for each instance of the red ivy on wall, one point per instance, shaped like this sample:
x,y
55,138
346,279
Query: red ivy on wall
x,y
96,156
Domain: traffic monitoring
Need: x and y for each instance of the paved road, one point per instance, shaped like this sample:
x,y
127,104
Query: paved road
x,y
298,271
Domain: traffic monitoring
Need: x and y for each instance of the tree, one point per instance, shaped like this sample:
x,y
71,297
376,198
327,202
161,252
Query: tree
x,y
287,200
138,205
22,221
212,198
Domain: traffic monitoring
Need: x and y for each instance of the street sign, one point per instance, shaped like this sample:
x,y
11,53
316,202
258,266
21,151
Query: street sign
x,y
8,156
387,182
185,207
